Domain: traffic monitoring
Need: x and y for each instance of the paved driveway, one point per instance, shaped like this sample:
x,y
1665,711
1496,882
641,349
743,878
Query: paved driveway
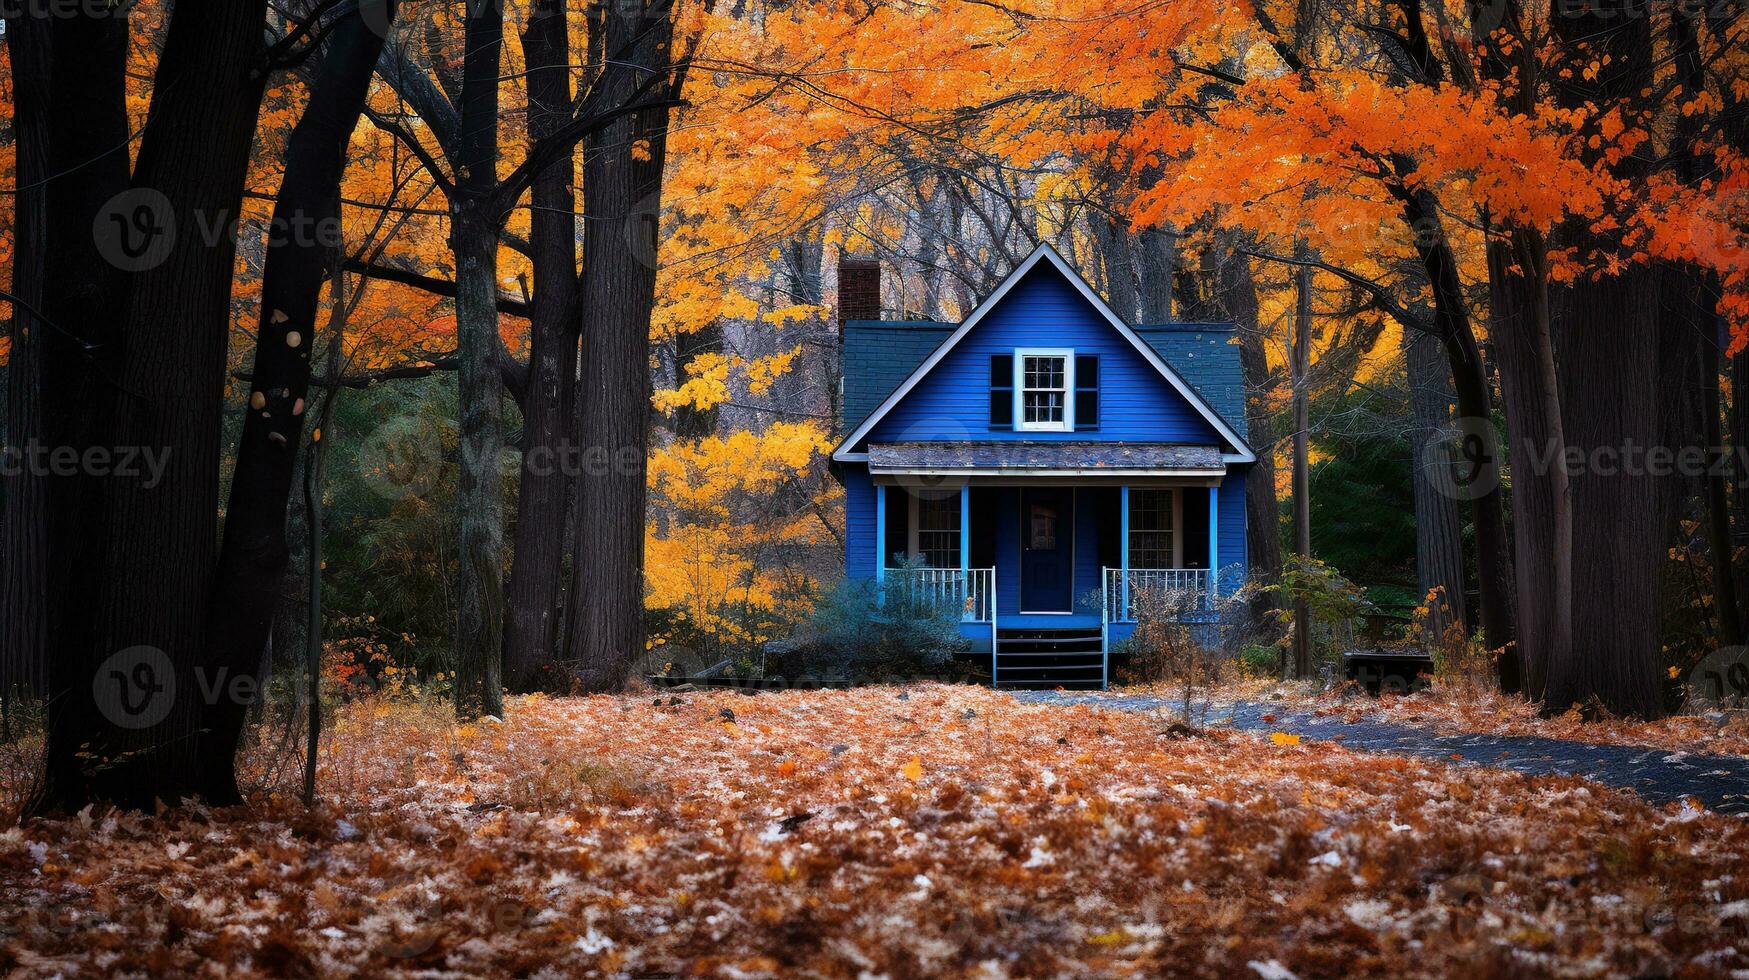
x,y
1721,782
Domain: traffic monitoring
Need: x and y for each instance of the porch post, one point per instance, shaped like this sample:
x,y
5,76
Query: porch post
x,y
880,532
1214,542
967,605
965,528
1123,550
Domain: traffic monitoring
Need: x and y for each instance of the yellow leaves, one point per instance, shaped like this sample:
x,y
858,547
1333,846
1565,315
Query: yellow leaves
x,y
786,768
1284,738
913,770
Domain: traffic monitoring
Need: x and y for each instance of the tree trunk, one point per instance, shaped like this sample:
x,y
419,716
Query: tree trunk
x,y
1302,479
622,184
1524,355
152,580
479,637
1262,509
24,549
1481,482
78,358
252,559
1691,347
1607,333
531,638
1439,555
1118,256
1157,249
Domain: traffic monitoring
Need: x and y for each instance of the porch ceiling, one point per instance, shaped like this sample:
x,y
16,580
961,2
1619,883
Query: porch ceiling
x,y
1045,458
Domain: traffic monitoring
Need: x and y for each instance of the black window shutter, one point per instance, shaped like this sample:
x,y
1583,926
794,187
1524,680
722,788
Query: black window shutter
x,y
1001,391
1086,391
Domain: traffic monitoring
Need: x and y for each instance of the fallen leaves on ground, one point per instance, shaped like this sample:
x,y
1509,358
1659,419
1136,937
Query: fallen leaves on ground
x,y
956,833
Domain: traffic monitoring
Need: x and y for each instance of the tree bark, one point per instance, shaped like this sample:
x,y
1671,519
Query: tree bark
x,y
144,624
531,638
1262,509
162,539
1118,255
1524,355
1157,251
1439,556
622,195
1302,479
24,547
253,556
1607,333
1691,349
1482,482
479,638
78,358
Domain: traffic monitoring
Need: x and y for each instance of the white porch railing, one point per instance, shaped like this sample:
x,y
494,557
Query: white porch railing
x,y
1123,590
970,591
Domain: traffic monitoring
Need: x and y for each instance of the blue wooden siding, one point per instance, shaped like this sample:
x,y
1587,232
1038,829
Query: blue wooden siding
x,y
1231,545
859,523
1044,310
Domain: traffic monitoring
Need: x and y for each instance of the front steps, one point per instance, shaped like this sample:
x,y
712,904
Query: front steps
x,y
1046,659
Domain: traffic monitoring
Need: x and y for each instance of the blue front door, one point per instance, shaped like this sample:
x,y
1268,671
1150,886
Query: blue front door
x,y
1047,549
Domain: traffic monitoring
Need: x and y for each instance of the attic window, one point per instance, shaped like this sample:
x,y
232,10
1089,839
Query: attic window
x,y
1043,380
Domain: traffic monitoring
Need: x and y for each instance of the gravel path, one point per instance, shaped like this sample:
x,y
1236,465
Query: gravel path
x,y
1721,782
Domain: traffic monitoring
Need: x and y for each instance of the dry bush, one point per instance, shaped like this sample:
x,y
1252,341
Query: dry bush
x,y
21,758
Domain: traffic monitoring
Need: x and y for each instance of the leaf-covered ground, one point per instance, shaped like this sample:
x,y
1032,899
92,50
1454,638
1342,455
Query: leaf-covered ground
x,y
935,831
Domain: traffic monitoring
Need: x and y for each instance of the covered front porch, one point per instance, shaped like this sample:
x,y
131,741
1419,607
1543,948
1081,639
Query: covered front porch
x,y
1049,550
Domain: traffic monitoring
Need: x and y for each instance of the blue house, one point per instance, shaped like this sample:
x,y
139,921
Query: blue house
x,y
1037,465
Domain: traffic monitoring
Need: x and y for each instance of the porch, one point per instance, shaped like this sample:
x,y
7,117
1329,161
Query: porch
x,y
1046,575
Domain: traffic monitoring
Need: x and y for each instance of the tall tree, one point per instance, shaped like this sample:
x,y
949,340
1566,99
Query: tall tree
x,y
476,217
24,553
1299,377
622,181
1607,334
252,559
531,639
148,581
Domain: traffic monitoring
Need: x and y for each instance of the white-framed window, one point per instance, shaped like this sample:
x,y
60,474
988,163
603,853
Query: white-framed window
x,y
1044,390
935,530
1154,522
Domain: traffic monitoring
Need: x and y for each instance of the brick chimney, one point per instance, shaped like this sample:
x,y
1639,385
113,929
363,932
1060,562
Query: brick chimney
x,y
859,290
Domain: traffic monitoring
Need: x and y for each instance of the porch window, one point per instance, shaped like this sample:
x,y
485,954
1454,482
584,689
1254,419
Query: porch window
x,y
1153,528
1044,379
938,531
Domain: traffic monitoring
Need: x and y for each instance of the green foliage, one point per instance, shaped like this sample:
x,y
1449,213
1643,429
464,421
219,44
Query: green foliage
x,y
887,629
390,514
1332,600
1363,501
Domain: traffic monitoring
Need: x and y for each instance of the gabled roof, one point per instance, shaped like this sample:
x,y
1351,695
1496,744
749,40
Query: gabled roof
x,y
1237,449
